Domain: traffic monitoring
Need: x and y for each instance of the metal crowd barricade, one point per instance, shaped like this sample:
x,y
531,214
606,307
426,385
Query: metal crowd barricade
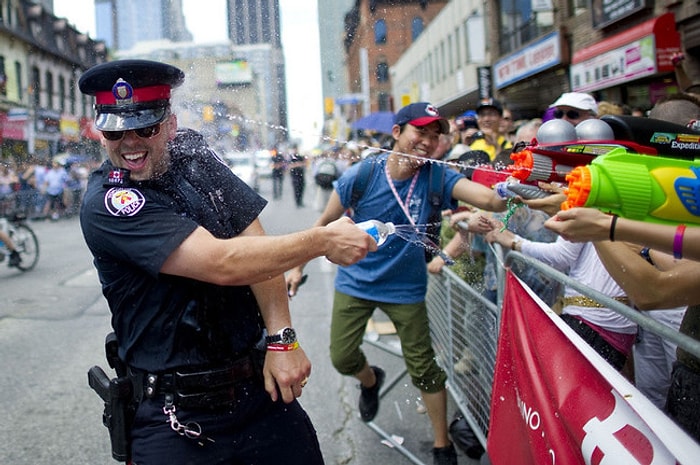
x,y
464,328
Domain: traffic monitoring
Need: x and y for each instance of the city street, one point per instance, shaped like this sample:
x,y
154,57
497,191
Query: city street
x,y
52,328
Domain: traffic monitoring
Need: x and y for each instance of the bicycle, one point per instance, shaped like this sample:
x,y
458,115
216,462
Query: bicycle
x,y
24,239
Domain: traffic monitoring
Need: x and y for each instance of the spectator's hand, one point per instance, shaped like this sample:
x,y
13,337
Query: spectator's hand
x,y
461,215
505,237
294,280
436,264
347,244
284,372
580,224
480,224
550,204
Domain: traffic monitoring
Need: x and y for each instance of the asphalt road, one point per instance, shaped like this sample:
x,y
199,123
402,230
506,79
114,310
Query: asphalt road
x,y
53,321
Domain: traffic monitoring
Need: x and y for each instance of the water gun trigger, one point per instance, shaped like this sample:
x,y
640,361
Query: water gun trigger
x,y
688,191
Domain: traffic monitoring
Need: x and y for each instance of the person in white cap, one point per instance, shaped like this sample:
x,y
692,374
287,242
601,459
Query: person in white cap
x,y
575,107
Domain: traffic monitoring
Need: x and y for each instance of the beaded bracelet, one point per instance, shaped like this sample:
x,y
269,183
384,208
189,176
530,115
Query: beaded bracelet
x,y
678,242
283,347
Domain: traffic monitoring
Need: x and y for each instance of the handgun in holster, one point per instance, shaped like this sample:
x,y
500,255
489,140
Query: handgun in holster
x,y
118,397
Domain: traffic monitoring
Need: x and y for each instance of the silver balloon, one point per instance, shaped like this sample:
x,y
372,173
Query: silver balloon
x,y
556,130
594,129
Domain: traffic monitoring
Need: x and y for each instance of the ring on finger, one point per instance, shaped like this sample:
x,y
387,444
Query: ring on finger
x,y
304,381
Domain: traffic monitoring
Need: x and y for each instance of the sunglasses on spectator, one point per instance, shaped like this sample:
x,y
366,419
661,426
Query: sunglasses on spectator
x,y
571,114
144,133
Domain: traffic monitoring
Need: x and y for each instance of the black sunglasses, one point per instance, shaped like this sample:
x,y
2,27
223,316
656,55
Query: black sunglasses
x,y
144,133
571,114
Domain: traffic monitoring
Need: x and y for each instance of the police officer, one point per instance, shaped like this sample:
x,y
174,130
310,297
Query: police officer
x,y
192,283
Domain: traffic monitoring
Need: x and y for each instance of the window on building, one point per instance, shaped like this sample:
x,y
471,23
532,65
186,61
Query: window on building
x,y
450,53
36,87
577,6
416,27
253,29
380,32
458,50
382,71
49,90
62,94
71,96
3,76
443,61
18,80
431,75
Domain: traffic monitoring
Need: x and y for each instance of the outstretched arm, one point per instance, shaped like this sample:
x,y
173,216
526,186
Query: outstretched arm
x,y
589,224
249,259
647,286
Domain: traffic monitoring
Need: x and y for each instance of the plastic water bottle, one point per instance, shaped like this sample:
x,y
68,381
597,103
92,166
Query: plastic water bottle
x,y
378,230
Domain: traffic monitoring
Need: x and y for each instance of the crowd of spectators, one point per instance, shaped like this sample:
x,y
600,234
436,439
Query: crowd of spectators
x,y
42,189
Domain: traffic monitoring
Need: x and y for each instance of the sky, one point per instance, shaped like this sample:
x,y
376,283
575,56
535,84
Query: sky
x,y
206,20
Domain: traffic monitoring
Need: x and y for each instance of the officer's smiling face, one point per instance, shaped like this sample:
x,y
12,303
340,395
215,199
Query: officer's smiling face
x,y
144,157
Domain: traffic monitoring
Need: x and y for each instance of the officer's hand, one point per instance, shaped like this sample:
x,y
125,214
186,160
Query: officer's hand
x,y
346,243
285,373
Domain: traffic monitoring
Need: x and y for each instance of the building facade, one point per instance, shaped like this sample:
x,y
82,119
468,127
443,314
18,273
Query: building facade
x,y
120,22
377,33
42,111
533,51
254,23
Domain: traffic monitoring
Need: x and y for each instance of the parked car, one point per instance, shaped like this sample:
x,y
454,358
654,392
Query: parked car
x,y
263,161
242,164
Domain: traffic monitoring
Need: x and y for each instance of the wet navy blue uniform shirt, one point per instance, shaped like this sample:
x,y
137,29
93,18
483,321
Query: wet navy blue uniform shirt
x,y
165,321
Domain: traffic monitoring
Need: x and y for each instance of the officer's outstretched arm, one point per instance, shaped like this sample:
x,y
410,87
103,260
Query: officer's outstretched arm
x,y
249,259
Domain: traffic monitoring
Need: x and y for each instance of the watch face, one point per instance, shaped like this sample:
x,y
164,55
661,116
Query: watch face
x,y
289,336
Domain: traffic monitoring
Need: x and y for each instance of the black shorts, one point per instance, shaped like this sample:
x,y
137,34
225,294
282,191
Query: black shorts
x,y
613,356
254,430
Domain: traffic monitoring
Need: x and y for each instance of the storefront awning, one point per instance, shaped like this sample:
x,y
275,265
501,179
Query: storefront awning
x,y
641,51
13,126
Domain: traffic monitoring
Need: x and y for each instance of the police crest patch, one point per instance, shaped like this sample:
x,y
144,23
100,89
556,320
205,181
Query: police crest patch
x,y
121,201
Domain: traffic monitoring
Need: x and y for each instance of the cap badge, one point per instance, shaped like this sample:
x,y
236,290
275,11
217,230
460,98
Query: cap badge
x,y
123,92
124,201
431,110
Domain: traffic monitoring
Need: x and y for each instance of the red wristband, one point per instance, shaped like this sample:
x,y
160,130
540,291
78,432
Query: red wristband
x,y
283,347
678,242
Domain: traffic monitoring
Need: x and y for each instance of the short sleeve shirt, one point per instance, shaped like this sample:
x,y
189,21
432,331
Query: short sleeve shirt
x,y
396,272
164,321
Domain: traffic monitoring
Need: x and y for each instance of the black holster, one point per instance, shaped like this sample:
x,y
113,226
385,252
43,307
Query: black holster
x,y
118,397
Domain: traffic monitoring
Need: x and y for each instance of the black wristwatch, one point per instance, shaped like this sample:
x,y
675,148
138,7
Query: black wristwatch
x,y
283,336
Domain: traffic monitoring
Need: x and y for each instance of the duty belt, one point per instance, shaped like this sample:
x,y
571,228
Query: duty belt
x,y
202,389
583,301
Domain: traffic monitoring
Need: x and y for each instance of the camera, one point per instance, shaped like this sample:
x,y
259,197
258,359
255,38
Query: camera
x,y
478,135
466,123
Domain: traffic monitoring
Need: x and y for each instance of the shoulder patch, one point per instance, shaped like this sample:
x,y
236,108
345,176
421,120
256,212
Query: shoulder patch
x,y
121,201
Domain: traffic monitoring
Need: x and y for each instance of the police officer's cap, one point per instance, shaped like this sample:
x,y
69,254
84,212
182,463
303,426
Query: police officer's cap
x,y
130,94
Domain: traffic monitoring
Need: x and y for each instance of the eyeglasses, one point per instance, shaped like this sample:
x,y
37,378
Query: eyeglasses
x,y
144,133
571,114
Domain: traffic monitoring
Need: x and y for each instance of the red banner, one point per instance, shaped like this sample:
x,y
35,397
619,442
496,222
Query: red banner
x,y
556,401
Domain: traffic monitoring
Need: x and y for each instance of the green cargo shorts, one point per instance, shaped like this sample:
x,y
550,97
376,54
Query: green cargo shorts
x,y
350,316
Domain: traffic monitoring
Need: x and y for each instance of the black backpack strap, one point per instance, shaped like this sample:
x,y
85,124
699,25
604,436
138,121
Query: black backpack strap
x,y
437,179
359,185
